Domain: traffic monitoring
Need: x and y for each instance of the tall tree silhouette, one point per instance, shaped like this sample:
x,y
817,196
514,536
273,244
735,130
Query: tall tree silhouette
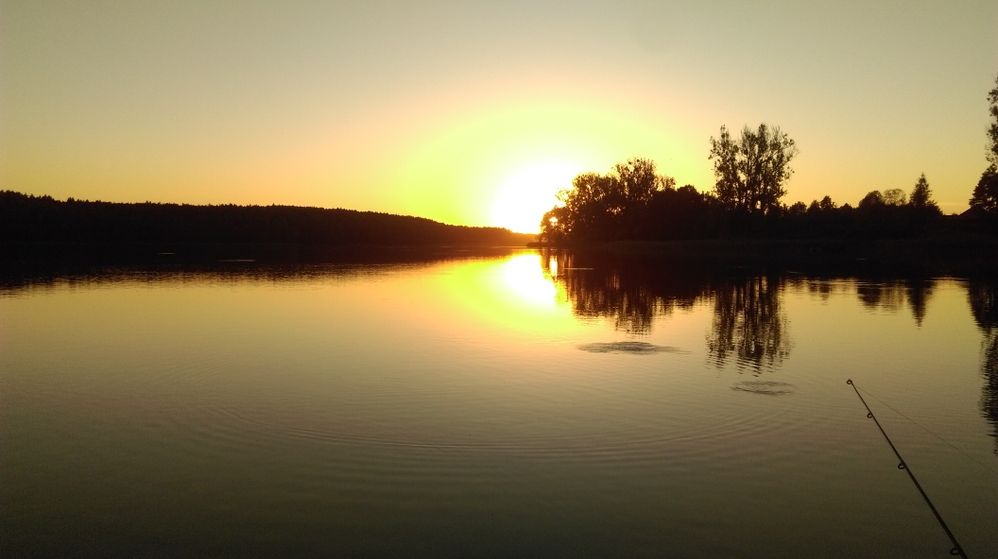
x,y
751,170
985,195
993,125
921,195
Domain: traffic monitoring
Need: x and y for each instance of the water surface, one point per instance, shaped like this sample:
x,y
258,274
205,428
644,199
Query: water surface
x,y
516,405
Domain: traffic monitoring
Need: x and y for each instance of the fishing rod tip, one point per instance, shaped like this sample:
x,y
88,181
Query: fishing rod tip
x,y
848,381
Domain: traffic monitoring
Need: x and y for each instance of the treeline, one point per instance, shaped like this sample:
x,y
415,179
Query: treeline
x,y
634,202
42,219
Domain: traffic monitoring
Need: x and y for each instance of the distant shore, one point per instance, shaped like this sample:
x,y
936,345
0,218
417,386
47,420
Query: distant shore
x,y
34,227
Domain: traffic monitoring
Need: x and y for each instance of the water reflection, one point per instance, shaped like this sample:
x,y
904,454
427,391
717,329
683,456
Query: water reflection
x,y
749,324
821,289
892,295
630,293
983,298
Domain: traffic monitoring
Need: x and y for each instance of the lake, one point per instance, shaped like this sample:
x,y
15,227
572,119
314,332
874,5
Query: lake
x,y
505,405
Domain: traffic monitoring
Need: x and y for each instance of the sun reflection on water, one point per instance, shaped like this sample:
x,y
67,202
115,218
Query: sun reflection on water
x,y
522,275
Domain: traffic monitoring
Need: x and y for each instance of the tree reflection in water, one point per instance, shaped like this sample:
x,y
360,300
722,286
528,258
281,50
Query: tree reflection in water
x,y
890,296
983,298
749,323
632,294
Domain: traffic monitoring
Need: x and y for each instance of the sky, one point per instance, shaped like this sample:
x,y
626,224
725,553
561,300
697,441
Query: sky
x,y
477,113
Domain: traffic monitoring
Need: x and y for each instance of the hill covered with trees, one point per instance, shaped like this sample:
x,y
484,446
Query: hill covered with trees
x,y
26,219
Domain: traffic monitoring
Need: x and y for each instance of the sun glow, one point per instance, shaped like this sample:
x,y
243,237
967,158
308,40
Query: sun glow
x,y
524,195
522,276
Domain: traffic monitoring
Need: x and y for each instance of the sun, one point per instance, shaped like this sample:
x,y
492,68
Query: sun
x,y
524,195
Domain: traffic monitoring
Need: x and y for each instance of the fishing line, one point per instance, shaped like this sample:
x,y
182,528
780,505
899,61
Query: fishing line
x,y
957,549
929,431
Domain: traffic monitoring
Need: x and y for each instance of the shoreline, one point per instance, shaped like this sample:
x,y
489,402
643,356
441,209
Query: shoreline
x,y
963,255
956,255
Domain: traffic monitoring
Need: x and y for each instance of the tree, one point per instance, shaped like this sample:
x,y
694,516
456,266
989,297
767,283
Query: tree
x,y
993,127
605,206
871,201
985,194
553,225
751,171
895,197
638,181
921,195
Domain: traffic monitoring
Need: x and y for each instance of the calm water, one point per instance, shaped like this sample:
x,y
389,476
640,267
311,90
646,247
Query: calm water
x,y
515,405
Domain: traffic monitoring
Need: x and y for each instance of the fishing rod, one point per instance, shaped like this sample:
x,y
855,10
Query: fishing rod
x,y
902,465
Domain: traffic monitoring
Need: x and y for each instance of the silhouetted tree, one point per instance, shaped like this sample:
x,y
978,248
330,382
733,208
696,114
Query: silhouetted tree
x,y
895,197
750,171
872,200
993,125
553,225
606,207
921,195
639,181
985,196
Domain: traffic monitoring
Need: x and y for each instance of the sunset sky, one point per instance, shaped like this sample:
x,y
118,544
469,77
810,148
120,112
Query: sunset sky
x,y
474,112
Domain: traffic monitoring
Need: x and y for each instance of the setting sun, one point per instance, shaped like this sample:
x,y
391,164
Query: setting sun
x,y
524,195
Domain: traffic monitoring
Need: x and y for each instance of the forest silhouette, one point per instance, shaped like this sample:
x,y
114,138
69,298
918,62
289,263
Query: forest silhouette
x,y
634,202
40,226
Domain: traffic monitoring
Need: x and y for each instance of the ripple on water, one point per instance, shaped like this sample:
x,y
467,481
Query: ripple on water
x,y
765,387
637,348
